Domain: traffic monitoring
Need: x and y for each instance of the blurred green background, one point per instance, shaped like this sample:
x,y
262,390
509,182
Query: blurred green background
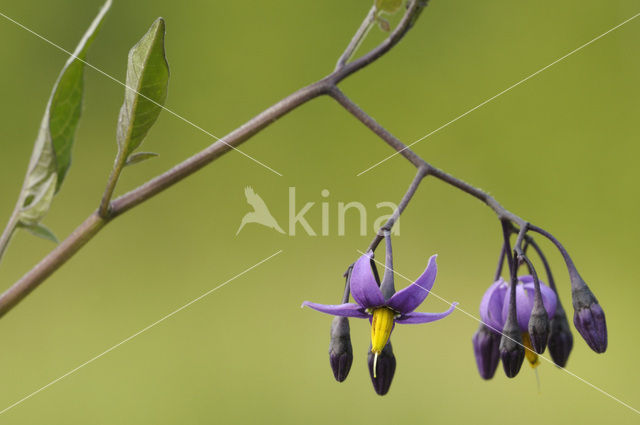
x,y
560,150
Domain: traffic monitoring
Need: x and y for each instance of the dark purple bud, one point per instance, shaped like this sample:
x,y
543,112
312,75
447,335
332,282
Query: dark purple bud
x,y
340,351
511,348
560,338
539,327
486,343
385,366
589,318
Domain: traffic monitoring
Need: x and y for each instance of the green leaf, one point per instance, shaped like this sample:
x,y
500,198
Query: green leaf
x,y
40,231
388,6
35,206
147,80
51,157
139,157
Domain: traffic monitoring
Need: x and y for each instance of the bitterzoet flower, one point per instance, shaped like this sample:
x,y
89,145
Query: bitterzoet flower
x,y
382,312
516,341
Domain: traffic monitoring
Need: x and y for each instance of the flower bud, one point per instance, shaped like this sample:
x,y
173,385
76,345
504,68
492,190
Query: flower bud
x,y
340,351
511,349
486,343
560,338
589,318
539,327
385,365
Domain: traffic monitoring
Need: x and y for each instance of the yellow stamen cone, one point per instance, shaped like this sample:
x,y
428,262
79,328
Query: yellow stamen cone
x,y
381,327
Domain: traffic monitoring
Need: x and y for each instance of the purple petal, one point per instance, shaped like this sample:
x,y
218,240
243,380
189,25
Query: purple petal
x,y
345,310
524,305
408,299
525,293
415,317
492,304
364,287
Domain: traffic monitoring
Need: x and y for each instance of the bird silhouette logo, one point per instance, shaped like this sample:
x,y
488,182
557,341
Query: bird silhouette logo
x,y
260,213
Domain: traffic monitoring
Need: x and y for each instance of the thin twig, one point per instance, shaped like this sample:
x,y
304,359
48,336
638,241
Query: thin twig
x,y
105,202
422,172
573,272
357,39
417,161
545,263
9,230
503,254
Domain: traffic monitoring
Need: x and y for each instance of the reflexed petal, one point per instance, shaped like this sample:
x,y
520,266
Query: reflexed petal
x,y
408,299
345,310
415,317
492,304
364,287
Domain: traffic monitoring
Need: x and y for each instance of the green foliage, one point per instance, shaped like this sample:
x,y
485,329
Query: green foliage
x,y
51,157
139,157
388,6
40,231
147,81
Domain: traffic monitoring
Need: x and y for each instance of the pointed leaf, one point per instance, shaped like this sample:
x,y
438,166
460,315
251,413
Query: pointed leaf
x,y
51,157
35,206
139,157
147,80
40,231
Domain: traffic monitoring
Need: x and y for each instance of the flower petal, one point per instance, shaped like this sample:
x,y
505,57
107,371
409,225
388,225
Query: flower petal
x,y
408,299
524,305
345,310
415,317
364,287
525,294
549,298
492,303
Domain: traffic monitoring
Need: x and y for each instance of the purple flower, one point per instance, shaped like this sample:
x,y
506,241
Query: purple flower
x,y
494,311
494,307
384,313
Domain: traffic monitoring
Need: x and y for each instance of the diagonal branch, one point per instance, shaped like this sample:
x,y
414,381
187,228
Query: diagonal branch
x,y
94,223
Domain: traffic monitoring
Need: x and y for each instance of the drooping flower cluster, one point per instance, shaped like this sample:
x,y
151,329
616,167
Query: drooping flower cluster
x,y
384,307
521,318
494,311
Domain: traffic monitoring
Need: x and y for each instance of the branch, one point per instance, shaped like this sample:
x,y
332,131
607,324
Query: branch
x,y
51,262
357,39
418,162
401,207
97,220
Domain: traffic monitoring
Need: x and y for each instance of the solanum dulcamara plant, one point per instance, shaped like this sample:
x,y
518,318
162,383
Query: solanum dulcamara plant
x,y
520,314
